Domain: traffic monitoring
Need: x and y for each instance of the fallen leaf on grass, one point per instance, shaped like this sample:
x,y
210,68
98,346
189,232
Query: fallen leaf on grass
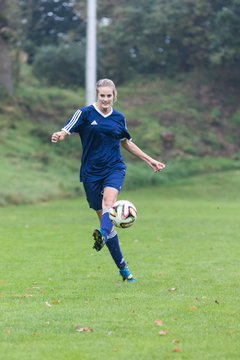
x,y
163,332
79,328
175,341
55,302
24,295
158,322
177,350
216,301
194,308
47,304
172,289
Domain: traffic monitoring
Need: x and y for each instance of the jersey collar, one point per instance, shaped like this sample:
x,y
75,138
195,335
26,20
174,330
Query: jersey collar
x,y
104,115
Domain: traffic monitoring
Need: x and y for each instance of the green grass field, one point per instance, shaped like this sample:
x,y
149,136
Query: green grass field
x,y
184,251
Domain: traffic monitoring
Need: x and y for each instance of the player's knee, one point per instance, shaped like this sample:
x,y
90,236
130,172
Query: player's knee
x,y
108,202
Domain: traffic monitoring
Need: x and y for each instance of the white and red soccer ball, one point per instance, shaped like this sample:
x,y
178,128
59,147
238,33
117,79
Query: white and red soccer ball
x,y
123,214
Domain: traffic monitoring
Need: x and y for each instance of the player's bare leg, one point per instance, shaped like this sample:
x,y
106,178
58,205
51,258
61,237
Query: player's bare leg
x,y
100,235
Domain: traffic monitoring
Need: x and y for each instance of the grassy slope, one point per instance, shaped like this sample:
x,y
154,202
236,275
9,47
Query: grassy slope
x,y
183,250
202,116
203,124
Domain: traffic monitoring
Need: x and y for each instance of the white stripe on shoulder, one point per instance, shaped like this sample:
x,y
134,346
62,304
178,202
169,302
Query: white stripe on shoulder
x,y
73,120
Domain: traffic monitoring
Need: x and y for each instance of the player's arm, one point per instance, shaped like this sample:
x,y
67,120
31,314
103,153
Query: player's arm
x,y
72,125
135,150
59,136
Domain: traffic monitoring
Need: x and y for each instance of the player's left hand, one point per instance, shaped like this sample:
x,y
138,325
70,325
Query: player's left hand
x,y
157,165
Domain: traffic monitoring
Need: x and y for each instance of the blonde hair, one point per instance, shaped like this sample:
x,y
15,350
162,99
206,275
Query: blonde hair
x,y
108,83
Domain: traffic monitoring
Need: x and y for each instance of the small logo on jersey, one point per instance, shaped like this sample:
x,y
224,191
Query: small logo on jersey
x,y
94,122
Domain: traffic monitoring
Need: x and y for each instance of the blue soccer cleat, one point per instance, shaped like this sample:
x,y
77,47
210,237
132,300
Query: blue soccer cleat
x,y
126,275
99,240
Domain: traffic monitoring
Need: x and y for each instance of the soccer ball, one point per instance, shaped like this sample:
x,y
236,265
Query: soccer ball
x,y
123,214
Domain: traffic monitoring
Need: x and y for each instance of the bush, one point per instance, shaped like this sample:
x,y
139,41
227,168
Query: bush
x,y
235,118
61,66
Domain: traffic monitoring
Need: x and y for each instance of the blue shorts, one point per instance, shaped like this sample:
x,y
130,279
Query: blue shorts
x,y
94,190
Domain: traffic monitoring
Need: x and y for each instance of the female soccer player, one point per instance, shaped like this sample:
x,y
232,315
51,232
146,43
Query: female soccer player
x,y
102,129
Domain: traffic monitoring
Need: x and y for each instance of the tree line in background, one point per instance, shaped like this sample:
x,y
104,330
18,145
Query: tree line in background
x,y
134,37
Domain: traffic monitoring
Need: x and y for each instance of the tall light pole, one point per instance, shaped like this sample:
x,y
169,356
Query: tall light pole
x,y
91,67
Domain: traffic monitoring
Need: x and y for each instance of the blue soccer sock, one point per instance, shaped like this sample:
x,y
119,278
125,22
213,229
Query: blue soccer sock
x,y
105,223
114,249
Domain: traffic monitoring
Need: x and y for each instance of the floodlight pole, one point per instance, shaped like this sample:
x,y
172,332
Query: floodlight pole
x,y
91,67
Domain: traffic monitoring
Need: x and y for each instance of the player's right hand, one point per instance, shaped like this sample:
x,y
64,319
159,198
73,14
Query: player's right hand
x,y
57,136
